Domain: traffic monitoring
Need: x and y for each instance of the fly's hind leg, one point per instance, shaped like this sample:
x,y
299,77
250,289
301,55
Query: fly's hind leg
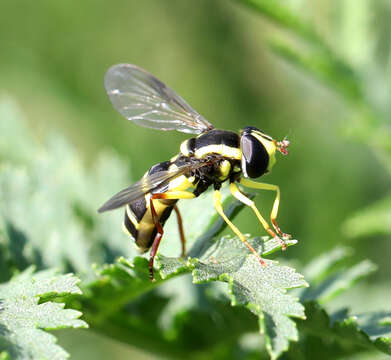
x,y
245,200
158,238
219,207
174,195
274,212
181,232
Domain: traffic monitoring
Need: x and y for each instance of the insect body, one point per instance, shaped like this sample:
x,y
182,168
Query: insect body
x,y
209,159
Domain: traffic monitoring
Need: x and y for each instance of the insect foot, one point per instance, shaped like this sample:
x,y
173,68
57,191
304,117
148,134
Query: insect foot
x,y
281,241
262,262
279,232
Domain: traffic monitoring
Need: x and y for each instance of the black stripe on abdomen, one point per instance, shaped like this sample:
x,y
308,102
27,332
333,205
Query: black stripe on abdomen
x,y
130,227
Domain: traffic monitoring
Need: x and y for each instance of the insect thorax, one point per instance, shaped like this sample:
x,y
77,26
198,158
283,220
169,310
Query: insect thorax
x,y
219,147
222,142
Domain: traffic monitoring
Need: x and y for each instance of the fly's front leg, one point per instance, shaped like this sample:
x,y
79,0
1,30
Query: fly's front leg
x,y
181,232
219,207
245,200
274,212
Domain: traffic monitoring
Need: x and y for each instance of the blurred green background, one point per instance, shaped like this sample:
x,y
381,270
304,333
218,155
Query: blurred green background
x,y
54,55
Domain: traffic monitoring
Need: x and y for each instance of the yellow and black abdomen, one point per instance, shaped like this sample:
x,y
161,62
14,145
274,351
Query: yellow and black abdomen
x,y
138,221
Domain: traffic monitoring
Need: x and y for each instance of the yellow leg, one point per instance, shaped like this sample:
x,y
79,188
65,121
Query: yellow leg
x,y
274,212
245,200
219,207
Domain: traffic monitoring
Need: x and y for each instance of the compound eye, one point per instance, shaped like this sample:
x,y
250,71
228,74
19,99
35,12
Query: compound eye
x,y
255,158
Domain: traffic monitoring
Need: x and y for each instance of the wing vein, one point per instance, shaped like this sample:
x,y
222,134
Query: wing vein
x,y
132,90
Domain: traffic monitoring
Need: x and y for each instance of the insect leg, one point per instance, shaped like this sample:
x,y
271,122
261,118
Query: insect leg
x,y
158,237
174,195
245,200
273,214
181,232
219,207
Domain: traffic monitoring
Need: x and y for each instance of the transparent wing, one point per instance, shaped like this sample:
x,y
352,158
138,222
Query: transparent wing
x,y
144,99
147,184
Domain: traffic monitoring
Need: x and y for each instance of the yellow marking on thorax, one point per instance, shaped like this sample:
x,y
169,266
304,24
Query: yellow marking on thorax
x,y
225,168
218,149
184,148
221,149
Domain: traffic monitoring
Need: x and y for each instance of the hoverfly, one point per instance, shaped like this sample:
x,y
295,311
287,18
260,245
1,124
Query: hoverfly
x,y
209,159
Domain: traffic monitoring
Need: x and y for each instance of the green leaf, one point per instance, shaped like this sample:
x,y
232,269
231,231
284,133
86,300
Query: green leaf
x,y
261,289
25,313
25,191
339,282
109,304
329,276
117,284
371,330
324,265
73,236
125,283
345,333
377,326
138,308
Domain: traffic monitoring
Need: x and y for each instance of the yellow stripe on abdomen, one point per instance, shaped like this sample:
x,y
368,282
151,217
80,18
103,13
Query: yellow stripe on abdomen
x,y
146,226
